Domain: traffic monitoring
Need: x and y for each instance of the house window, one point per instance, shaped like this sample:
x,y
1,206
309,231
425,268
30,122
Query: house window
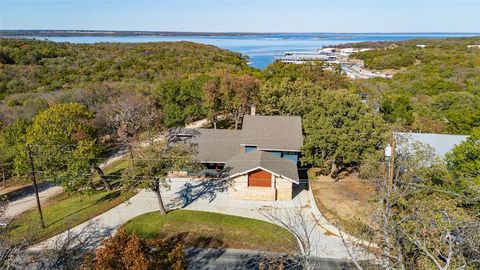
x,y
250,148
259,178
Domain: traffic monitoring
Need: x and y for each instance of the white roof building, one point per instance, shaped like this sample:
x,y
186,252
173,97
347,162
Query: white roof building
x,y
441,143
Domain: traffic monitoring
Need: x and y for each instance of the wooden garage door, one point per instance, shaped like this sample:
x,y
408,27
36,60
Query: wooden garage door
x,y
259,178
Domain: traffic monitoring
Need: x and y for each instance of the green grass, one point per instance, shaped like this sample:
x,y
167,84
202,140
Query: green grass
x,y
65,211
118,166
206,229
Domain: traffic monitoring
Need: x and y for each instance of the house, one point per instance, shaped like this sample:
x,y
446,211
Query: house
x,y
440,143
260,159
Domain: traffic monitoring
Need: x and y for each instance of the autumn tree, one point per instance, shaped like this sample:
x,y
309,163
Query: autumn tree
x,y
340,131
213,101
129,252
239,93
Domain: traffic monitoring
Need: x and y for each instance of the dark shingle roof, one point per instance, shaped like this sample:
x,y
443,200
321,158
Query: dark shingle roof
x,y
245,162
266,132
273,132
217,145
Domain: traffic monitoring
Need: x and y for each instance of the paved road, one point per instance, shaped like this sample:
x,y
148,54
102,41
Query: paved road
x,y
209,259
25,199
206,195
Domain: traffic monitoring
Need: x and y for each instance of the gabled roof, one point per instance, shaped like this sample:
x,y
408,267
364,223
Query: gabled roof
x,y
265,132
441,143
217,145
243,163
273,132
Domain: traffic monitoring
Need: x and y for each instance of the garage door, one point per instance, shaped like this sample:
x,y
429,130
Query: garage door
x,y
259,178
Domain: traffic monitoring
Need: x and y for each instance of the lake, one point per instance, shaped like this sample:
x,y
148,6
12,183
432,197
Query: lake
x,y
261,48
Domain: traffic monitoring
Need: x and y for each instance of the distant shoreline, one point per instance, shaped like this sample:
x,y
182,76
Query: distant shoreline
x,y
67,33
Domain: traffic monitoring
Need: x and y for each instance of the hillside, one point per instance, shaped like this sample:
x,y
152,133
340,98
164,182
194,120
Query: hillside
x,y
437,88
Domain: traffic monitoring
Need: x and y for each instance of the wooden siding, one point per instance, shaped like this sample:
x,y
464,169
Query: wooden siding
x,y
259,178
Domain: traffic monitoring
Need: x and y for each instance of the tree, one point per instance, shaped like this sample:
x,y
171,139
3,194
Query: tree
x,y
340,131
240,93
419,222
12,142
154,163
128,252
11,249
464,159
131,114
181,100
213,101
464,162
64,145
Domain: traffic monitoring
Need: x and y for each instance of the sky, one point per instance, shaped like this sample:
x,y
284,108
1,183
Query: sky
x,y
244,15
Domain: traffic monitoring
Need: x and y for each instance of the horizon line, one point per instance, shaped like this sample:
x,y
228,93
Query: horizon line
x,y
238,32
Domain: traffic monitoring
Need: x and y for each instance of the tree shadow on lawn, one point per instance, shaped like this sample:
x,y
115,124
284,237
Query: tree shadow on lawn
x,y
199,189
28,191
109,197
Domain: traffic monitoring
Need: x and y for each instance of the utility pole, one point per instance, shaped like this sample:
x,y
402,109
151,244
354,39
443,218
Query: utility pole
x,y
4,179
392,163
34,180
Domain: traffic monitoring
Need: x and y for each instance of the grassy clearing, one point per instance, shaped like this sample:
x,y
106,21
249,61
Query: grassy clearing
x,y
65,211
345,202
212,230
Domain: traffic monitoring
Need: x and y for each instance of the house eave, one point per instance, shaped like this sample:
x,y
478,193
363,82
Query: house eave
x,y
262,168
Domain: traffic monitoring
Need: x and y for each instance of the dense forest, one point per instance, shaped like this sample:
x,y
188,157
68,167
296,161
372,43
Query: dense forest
x,y
67,104
436,87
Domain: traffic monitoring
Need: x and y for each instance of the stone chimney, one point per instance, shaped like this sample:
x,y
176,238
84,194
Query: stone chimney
x,y
252,110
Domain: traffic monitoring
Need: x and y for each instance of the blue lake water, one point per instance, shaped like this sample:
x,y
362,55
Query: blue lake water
x,y
262,48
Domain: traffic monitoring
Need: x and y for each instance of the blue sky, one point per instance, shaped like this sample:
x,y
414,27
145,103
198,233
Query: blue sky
x,y
245,15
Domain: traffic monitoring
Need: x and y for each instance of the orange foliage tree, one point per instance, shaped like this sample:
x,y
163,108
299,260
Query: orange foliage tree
x,y
129,252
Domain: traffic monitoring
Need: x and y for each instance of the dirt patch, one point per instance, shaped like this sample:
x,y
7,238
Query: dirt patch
x,y
344,202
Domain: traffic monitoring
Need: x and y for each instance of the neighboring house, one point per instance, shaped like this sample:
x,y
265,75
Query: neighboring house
x,y
261,158
440,143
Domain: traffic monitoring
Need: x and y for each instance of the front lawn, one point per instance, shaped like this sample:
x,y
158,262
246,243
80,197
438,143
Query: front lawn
x,y
66,211
212,230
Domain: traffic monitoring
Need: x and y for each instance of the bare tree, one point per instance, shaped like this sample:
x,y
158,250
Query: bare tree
x,y
11,248
418,223
295,220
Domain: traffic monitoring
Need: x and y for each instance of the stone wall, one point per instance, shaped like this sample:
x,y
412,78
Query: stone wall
x,y
281,190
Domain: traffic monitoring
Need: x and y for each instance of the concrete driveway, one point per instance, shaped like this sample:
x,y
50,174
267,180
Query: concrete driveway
x,y
25,198
211,196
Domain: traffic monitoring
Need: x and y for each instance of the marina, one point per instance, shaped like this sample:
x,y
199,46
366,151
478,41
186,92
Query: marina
x,y
260,49
330,56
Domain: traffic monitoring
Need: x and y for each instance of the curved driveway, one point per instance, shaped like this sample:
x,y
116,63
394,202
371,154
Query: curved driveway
x,y
207,195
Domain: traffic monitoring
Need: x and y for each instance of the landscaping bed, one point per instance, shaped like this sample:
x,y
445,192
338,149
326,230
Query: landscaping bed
x,y
212,230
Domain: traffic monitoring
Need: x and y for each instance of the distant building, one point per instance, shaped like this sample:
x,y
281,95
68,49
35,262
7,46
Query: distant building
x,y
421,45
441,143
